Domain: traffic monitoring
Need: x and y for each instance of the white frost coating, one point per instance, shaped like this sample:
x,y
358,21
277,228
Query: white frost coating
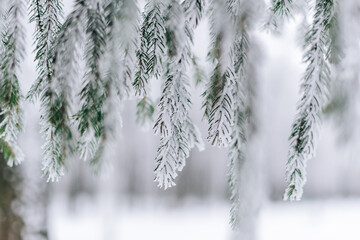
x,y
88,145
105,152
67,51
222,114
61,92
12,49
193,11
128,29
52,166
9,136
243,174
155,28
222,34
174,147
116,68
280,10
167,162
47,26
194,135
303,139
118,61
219,102
178,133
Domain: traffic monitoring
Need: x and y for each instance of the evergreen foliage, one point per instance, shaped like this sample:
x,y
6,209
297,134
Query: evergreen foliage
x,y
120,55
152,46
178,133
12,53
219,99
57,95
46,14
283,7
314,91
280,10
193,12
91,117
242,14
116,66
124,52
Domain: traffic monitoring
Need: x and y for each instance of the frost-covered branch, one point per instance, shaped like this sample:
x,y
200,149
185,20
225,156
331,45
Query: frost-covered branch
x,y
93,94
237,151
153,45
116,74
174,148
126,20
57,95
244,59
314,91
47,15
282,9
194,10
178,133
12,53
218,97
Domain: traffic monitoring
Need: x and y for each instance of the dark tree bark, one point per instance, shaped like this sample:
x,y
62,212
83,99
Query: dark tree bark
x,y
11,223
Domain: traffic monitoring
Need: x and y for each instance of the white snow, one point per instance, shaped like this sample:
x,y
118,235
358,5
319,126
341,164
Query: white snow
x,y
320,220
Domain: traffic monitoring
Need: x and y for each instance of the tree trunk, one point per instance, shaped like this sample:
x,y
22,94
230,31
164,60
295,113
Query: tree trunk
x,y
11,223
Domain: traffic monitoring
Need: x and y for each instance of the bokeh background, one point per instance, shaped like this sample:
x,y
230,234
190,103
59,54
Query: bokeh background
x,y
123,202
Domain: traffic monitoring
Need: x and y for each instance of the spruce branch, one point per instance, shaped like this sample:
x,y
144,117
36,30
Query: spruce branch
x,y
152,45
178,133
111,125
193,135
245,124
127,19
218,102
237,150
113,58
221,113
91,115
244,59
314,91
174,147
110,61
155,36
283,7
13,50
237,158
280,10
194,10
141,76
36,12
57,95
47,15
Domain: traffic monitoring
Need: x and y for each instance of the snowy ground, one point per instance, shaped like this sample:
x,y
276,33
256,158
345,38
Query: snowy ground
x,y
325,220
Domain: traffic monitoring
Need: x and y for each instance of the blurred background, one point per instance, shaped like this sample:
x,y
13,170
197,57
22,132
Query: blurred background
x,y
123,202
